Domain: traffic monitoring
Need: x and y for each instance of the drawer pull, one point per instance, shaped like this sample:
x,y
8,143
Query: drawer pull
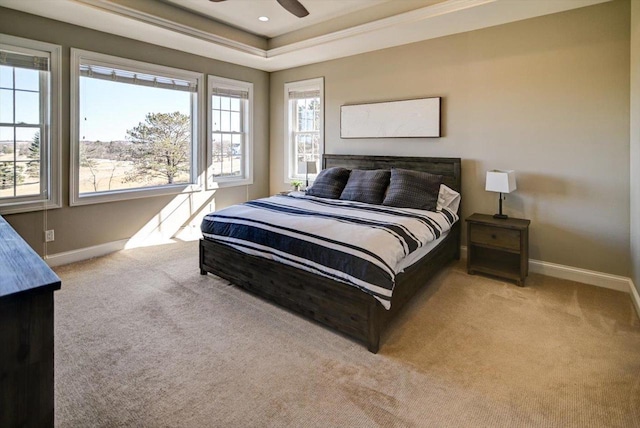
x,y
493,235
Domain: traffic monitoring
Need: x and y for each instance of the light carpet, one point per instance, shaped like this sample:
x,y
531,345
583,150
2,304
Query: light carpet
x,y
142,339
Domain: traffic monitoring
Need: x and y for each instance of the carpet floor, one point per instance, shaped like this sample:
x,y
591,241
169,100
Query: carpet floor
x,y
142,339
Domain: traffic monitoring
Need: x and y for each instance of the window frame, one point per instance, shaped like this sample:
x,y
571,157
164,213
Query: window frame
x,y
50,158
289,152
247,177
194,185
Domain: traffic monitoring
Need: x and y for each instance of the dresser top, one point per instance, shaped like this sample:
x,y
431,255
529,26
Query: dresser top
x,y
21,269
508,223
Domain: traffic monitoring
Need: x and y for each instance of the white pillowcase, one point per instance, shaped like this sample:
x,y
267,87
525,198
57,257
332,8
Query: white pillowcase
x,y
448,198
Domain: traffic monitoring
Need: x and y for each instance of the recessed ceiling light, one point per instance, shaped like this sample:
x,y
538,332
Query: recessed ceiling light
x,y
263,18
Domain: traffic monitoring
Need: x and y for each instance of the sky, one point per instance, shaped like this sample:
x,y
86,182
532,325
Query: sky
x,y
26,101
107,109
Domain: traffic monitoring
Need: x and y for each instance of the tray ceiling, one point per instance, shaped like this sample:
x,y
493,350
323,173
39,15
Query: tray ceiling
x,y
333,29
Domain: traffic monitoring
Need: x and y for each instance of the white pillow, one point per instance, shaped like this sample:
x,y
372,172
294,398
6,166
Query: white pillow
x,y
448,198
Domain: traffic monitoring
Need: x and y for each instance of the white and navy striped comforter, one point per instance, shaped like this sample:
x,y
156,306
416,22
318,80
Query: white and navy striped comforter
x,y
352,242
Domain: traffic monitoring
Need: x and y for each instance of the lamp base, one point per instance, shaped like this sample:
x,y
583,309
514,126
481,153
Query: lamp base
x,y
500,215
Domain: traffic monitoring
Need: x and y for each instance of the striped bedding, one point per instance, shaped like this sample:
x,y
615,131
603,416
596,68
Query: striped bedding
x,y
353,242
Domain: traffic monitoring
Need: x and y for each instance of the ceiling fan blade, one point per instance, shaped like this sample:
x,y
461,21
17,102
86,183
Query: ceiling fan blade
x,y
295,7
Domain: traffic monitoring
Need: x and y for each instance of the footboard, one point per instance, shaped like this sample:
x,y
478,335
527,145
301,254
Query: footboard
x,y
337,305
334,304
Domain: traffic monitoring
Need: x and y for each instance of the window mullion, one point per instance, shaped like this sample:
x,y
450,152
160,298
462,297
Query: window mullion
x,y
15,134
243,147
20,125
194,138
293,143
43,84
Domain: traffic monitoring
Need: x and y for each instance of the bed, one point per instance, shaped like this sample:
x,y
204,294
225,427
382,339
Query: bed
x,y
342,307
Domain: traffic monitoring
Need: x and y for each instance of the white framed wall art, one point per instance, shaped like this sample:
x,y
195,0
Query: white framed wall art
x,y
417,118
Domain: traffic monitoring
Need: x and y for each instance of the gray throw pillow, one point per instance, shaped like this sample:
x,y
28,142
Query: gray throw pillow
x,y
329,183
366,186
413,189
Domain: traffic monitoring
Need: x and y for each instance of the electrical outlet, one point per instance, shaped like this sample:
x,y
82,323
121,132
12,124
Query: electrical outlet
x,y
49,236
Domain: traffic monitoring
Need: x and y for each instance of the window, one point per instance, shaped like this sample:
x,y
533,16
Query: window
x,y
304,122
29,125
135,129
230,157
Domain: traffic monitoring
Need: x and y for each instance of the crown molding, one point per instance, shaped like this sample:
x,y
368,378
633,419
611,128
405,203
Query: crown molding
x,y
147,18
437,20
412,17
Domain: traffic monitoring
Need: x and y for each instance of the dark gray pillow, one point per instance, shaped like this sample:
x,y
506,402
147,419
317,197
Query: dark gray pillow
x,y
413,189
330,183
366,186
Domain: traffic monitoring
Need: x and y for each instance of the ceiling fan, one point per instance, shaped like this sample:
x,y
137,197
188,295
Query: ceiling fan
x,y
292,6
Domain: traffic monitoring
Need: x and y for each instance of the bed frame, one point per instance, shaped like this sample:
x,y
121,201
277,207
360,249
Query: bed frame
x,y
337,305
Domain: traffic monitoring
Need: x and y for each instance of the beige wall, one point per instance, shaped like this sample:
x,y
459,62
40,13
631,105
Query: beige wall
x,y
635,143
86,226
548,97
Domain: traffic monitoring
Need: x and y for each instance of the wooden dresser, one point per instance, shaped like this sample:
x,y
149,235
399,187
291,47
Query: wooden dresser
x,y
26,333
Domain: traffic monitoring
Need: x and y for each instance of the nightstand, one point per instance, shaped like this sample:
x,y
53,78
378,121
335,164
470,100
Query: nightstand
x,y
498,247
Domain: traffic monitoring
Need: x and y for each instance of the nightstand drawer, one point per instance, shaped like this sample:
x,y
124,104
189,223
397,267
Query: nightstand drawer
x,y
495,237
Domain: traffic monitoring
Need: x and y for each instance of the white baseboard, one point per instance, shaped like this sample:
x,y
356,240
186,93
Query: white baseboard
x,y
614,282
73,256
635,297
599,279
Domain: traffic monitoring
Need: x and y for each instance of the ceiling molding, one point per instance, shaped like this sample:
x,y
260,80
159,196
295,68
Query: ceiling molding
x,y
147,18
450,6
437,20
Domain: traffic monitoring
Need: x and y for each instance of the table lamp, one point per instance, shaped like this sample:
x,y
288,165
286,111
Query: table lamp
x,y
502,182
310,169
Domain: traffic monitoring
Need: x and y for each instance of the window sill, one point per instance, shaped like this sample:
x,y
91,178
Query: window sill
x,y
125,195
25,207
229,183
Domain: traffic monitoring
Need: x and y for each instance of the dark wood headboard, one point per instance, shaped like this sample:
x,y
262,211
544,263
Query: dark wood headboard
x,y
449,168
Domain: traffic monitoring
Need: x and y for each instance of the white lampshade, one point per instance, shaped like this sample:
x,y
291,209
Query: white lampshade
x,y
311,167
501,181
